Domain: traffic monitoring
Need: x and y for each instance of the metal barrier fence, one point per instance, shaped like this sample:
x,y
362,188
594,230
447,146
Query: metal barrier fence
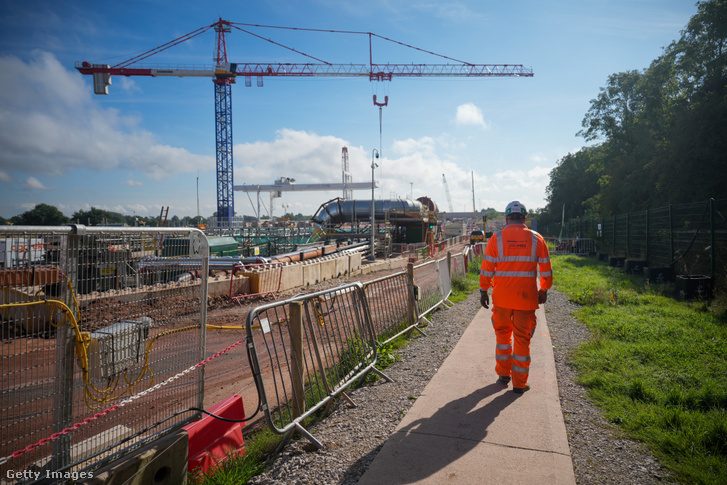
x,y
306,350
392,306
691,238
459,265
93,320
428,288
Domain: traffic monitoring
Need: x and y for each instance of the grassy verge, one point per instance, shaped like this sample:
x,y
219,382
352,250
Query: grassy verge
x,y
238,470
656,366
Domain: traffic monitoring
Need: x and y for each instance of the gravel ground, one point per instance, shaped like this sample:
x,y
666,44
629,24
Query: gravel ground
x,y
353,436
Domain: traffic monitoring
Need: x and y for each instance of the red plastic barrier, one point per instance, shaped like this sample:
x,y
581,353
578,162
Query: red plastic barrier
x,y
212,440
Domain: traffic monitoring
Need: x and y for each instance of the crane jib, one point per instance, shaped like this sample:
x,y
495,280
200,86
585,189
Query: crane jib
x,y
375,72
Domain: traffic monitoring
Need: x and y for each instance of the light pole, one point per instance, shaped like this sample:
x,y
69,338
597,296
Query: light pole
x,y
375,153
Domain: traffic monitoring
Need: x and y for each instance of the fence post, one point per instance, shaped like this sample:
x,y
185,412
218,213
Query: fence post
x,y
449,262
628,235
413,317
712,238
671,233
296,369
63,392
613,247
647,236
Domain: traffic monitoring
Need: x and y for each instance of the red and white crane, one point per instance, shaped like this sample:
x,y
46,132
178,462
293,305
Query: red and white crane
x,y
225,73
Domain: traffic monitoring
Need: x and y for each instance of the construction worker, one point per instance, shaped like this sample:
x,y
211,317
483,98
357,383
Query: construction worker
x,y
510,265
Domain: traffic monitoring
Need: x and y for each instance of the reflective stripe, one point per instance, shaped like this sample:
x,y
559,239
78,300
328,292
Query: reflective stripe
x,y
546,273
526,259
488,274
521,358
502,357
522,370
544,260
503,346
534,248
500,251
517,274
490,258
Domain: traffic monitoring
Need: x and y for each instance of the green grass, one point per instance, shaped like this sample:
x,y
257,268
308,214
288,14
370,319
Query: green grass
x,y
656,366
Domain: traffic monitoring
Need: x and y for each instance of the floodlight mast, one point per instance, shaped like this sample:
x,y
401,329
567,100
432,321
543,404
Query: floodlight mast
x,y
224,74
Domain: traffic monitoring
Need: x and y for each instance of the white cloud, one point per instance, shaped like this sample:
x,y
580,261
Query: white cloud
x,y
469,114
409,165
133,183
50,124
32,183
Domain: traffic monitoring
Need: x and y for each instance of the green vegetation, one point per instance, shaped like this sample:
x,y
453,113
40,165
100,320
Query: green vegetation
x,y
48,215
658,133
656,366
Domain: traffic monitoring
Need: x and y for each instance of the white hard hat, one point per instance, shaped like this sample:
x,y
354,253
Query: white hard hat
x,y
515,207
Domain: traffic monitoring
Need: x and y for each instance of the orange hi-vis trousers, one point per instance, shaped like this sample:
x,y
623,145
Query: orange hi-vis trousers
x,y
508,360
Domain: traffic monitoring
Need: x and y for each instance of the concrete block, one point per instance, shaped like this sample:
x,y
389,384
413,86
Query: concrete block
x,y
342,265
328,269
354,263
292,277
163,462
311,273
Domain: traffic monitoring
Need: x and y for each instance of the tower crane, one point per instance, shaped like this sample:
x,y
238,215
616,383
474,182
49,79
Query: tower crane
x,y
446,191
225,73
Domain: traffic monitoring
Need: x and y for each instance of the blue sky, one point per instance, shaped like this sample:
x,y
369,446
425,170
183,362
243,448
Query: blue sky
x,y
148,143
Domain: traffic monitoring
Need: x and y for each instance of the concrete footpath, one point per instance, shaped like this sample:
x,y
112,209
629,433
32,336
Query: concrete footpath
x,y
466,428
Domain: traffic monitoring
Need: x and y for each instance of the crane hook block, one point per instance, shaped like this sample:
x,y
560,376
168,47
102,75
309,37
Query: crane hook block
x,y
385,103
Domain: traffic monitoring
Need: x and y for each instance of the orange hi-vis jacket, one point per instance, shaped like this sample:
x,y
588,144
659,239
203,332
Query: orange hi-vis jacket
x,y
512,257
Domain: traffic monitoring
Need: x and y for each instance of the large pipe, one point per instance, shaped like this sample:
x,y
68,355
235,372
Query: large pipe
x,y
398,211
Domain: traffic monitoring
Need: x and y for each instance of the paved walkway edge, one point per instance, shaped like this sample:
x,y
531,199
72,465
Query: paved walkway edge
x,y
466,428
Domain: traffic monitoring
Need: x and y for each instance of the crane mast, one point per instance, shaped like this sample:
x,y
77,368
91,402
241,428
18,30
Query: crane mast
x,y
223,132
224,74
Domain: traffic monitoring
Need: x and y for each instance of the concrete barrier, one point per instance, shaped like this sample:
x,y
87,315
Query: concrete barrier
x,y
164,462
311,273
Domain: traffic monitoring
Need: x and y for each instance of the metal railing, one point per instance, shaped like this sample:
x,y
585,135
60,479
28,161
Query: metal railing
x,y
88,332
428,287
392,306
307,350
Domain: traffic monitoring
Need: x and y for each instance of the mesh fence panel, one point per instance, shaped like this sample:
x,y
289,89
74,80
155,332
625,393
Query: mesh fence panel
x,y
94,318
390,302
426,278
307,349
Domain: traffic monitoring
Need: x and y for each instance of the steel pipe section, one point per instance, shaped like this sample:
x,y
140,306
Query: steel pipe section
x,y
398,211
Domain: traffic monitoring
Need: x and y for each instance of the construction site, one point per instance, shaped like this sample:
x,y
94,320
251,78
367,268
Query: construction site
x,y
120,340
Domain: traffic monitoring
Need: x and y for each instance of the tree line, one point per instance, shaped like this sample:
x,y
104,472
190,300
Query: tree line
x,y
48,215
657,136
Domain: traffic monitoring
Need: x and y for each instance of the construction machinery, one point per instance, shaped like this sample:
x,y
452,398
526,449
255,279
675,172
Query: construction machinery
x,y
225,73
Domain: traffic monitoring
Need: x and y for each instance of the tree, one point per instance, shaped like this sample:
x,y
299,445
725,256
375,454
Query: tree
x,y
575,183
41,215
96,217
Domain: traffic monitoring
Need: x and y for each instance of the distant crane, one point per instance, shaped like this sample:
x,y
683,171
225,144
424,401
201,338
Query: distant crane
x,y
224,74
446,191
